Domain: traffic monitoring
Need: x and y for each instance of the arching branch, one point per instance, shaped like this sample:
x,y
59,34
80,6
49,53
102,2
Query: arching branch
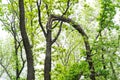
x,y
70,21
85,38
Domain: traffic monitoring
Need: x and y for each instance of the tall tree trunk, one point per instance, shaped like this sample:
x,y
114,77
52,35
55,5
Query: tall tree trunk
x,y
26,43
47,66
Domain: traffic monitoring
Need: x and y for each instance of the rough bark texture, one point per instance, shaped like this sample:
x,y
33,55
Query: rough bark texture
x,y
26,43
48,36
47,66
85,37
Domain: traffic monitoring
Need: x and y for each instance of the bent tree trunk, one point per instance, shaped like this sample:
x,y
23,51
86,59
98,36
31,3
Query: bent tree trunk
x,y
26,43
85,38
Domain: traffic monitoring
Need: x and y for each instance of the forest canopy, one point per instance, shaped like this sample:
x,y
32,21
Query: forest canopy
x,y
59,39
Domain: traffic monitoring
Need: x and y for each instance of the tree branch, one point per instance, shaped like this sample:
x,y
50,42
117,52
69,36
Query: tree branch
x,y
57,33
6,70
46,6
68,5
23,61
23,64
70,21
39,18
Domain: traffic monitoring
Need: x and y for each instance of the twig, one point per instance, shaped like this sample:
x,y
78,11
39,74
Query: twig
x,y
6,71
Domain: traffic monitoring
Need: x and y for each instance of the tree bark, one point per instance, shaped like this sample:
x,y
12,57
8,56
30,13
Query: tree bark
x,y
47,66
48,36
26,43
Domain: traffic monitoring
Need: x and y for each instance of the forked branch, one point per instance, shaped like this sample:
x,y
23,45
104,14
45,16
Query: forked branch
x,y
39,18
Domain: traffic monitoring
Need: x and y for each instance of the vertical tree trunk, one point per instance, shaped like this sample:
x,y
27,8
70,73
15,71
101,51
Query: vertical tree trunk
x,y
47,66
26,43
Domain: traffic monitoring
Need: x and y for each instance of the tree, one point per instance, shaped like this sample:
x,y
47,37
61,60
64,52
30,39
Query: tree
x,y
26,43
67,40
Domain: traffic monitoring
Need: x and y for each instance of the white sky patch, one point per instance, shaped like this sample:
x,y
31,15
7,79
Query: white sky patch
x,y
4,1
90,2
117,17
3,33
57,12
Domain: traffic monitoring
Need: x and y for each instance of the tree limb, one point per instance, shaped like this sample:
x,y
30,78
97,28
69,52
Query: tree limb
x,y
68,6
70,21
46,6
39,18
6,71
57,33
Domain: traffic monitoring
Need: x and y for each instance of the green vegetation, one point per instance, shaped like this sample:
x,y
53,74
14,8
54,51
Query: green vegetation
x,y
60,40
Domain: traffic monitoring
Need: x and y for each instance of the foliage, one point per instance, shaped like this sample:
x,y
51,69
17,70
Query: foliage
x,y
72,72
69,60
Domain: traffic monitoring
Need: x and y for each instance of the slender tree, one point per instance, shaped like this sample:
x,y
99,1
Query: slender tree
x,y
48,35
26,43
